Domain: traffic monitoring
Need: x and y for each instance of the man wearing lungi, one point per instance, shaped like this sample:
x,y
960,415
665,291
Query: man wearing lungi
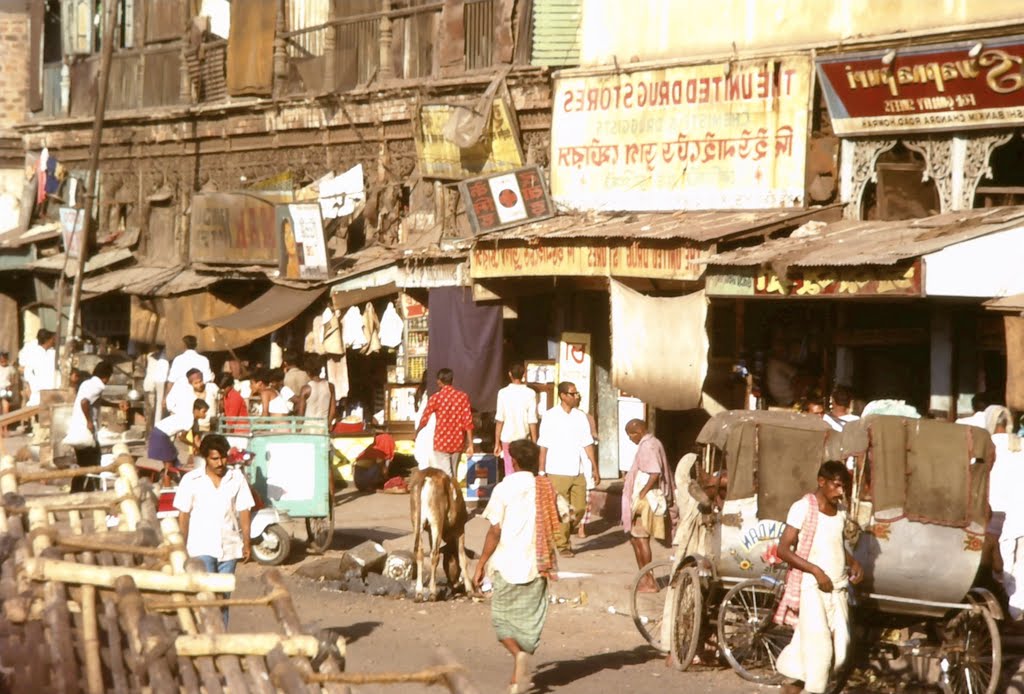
x,y
520,550
815,600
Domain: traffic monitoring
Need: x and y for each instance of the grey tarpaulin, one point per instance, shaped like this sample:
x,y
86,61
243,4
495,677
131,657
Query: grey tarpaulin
x,y
465,337
659,347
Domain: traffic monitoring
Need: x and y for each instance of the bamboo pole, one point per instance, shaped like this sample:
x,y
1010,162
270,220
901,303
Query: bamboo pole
x,y
259,676
82,501
89,197
288,618
70,572
90,623
260,644
204,665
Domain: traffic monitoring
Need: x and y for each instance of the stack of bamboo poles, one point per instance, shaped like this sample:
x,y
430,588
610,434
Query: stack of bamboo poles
x,y
98,595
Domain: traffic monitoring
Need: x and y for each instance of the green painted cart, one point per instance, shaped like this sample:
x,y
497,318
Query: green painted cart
x,y
290,469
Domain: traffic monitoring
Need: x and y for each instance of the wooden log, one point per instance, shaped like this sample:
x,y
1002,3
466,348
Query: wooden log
x,y
52,475
456,679
130,515
173,538
70,572
288,618
8,475
259,676
204,665
90,622
146,636
187,677
144,537
283,673
39,679
115,650
60,638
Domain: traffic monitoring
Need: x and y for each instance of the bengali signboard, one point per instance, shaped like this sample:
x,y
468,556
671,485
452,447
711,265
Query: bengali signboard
x,y
506,200
720,136
606,260
953,86
439,157
303,246
832,282
232,228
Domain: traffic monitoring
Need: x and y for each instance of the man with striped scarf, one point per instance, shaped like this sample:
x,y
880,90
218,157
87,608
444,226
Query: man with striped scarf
x,y
815,601
520,548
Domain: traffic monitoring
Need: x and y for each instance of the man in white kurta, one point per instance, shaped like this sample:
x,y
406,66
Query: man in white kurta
x,y
1007,525
821,634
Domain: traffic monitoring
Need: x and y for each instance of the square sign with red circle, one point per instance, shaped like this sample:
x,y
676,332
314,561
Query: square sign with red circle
x,y
508,199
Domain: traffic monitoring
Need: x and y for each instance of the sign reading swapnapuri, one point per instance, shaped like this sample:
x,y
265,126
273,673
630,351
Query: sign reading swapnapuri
x,y
719,136
971,84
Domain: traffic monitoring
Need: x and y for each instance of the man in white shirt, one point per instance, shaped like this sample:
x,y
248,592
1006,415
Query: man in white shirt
x,y
38,363
815,600
214,510
161,446
564,437
519,552
192,388
155,380
840,415
979,403
86,413
187,360
516,414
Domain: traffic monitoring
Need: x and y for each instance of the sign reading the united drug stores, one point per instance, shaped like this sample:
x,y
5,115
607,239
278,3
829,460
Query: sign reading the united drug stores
x,y
497,149
719,136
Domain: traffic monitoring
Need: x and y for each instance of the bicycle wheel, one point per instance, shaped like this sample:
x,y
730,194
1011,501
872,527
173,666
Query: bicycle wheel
x,y
648,608
749,639
689,613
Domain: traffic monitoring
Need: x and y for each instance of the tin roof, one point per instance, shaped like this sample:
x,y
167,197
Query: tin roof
x,y
1013,303
850,242
701,226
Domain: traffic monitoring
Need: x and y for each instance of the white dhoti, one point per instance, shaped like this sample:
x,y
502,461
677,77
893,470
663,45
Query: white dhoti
x,y
1012,552
823,631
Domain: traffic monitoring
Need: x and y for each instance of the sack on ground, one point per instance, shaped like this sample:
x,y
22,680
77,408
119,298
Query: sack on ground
x,y
79,436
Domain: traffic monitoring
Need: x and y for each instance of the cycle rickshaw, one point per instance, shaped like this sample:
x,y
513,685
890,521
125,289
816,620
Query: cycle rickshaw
x,y
917,513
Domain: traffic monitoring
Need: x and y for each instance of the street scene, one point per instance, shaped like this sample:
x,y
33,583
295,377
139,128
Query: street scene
x,y
493,346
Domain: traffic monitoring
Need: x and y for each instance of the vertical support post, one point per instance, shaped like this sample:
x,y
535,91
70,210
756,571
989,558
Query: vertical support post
x,y
330,46
387,69
280,52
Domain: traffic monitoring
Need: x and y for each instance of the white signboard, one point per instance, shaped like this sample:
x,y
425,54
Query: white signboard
x,y
575,364
303,246
719,136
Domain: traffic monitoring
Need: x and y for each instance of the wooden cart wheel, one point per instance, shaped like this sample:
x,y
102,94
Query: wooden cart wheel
x,y
972,652
320,531
688,616
648,608
749,639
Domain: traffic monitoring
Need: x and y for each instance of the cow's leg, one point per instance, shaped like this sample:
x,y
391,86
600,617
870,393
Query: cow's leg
x,y
435,555
420,531
467,582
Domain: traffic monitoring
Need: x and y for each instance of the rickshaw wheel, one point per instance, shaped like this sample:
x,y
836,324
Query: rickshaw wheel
x,y
648,608
749,639
319,534
973,651
688,614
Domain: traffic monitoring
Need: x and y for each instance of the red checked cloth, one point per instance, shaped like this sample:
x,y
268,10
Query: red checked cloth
x,y
788,611
548,524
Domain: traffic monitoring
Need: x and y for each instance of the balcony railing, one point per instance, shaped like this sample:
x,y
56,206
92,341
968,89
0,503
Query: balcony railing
x,y
337,56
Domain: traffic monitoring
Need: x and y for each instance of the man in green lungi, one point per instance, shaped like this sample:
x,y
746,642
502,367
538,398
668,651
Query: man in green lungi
x,y
521,552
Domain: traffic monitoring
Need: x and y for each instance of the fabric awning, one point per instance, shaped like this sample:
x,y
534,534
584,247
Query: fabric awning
x,y
277,306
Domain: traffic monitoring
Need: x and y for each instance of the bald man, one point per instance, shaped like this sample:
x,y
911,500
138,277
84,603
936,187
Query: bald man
x,y
647,494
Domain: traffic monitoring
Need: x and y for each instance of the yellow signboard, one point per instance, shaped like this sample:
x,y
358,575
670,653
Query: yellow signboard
x,y
497,150
720,136
633,260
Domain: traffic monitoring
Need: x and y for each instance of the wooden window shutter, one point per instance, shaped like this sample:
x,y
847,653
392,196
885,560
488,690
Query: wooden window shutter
x,y
77,27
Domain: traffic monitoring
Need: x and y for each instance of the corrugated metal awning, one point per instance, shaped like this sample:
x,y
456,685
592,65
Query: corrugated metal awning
x,y
125,278
1009,304
55,263
702,226
853,243
16,238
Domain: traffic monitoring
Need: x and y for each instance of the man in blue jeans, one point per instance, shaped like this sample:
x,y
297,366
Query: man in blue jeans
x,y
214,502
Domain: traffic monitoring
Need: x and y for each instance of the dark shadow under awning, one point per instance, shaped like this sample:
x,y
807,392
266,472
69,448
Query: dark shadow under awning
x,y
277,306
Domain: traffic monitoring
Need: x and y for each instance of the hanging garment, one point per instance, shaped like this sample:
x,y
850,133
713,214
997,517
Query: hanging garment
x,y
352,329
391,327
371,330
330,335
337,374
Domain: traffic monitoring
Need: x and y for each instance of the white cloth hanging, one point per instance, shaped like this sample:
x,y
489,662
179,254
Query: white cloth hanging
x,y
371,330
391,327
352,329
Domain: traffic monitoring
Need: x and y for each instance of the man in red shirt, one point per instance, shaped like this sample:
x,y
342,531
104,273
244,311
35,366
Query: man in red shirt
x,y
234,406
453,432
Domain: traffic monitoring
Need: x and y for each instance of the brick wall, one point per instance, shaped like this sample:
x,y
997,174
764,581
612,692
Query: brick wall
x,y
14,47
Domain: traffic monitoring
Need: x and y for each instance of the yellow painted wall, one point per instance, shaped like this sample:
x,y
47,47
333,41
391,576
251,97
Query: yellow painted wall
x,y
643,30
